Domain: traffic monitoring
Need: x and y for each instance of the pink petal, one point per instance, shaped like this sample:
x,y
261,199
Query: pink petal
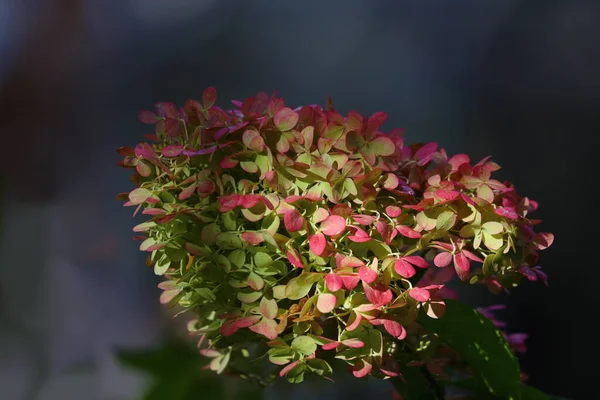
x,y
231,327
446,195
419,294
326,302
253,238
359,235
366,274
375,121
331,346
353,321
229,162
472,256
408,232
209,96
200,152
425,151
351,262
404,269
249,200
353,343
333,225
394,328
317,243
293,220
461,261
379,295
228,203
350,281
320,215
543,240
435,308
288,368
168,295
364,219
443,259
266,327
361,369
148,117
417,261
467,199
294,257
154,211
172,151
166,109
334,282
394,211
507,213
285,119
391,182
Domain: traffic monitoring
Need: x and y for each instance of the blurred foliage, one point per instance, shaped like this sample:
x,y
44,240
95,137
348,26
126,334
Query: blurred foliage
x,y
175,371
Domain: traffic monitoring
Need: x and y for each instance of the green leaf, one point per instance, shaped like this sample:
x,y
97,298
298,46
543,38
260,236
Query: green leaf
x,y
238,258
415,384
223,262
228,241
271,223
299,287
445,221
481,345
139,195
319,367
268,308
262,260
304,345
229,221
255,281
162,265
488,265
296,375
248,297
531,393
175,372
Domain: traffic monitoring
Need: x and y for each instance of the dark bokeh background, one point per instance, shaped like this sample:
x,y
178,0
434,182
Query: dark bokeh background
x,y
518,79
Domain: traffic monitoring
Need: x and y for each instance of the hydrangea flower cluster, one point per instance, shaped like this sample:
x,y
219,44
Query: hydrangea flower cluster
x,y
299,235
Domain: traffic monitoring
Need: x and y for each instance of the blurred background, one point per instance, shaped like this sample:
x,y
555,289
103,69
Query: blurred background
x,y
517,79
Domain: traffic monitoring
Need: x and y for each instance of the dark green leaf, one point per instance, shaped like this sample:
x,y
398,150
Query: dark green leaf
x,y
480,345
